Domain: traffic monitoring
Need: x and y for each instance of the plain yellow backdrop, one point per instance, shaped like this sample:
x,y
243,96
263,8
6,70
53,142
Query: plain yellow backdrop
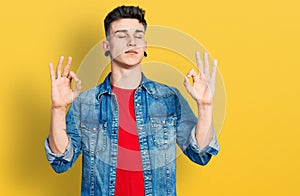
x,y
256,43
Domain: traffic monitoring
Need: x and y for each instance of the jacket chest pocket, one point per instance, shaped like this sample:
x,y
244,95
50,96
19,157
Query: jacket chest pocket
x,y
93,137
163,130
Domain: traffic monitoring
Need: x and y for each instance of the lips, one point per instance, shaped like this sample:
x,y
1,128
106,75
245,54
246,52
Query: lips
x,y
131,52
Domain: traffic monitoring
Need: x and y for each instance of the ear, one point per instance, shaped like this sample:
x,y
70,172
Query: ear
x,y
105,45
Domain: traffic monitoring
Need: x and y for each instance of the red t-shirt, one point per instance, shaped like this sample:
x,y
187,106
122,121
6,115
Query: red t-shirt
x,y
129,177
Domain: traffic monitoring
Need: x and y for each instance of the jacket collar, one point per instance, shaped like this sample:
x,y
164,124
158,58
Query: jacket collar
x,y
105,87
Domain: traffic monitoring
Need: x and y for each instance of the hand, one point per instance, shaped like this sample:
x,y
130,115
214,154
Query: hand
x,y
61,91
203,87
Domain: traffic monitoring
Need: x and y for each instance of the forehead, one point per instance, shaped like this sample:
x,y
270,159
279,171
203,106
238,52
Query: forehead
x,y
126,23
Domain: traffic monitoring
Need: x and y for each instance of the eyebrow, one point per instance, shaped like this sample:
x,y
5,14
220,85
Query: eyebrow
x,y
126,31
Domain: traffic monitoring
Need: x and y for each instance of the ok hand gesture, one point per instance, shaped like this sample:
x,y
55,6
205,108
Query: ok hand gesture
x,y
61,91
203,87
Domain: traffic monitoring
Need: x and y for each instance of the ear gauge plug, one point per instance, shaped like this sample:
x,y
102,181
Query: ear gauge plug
x,y
107,53
145,54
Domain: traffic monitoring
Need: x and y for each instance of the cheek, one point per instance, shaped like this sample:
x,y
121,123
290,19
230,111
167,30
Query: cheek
x,y
118,49
141,44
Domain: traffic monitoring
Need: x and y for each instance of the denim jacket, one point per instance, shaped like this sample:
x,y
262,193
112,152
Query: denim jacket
x,y
163,118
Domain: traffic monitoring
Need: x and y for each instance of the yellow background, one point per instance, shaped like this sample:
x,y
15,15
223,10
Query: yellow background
x,y
256,43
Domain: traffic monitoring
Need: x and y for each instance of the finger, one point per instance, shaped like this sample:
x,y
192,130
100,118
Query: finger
x,y
196,77
69,76
187,84
67,67
206,64
59,65
52,74
191,73
214,69
199,62
73,76
77,88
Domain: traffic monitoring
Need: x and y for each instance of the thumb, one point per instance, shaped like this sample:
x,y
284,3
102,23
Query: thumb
x,y
187,84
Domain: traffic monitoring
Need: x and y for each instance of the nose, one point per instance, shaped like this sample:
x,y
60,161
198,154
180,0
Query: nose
x,y
131,41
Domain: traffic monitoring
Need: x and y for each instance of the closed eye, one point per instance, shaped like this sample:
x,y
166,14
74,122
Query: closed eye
x,y
139,35
121,35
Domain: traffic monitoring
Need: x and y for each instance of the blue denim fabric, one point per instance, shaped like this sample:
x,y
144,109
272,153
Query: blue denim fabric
x,y
163,118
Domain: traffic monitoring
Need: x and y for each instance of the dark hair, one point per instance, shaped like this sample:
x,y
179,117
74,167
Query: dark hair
x,y
124,12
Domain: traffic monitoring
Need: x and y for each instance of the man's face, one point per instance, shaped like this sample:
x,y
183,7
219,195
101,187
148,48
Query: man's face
x,y
126,42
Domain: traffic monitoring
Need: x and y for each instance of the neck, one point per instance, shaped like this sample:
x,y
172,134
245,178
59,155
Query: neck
x,y
127,78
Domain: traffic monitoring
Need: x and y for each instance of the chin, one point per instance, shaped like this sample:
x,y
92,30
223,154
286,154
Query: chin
x,y
133,61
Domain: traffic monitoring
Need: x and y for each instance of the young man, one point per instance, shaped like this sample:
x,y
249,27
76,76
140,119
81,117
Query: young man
x,y
127,127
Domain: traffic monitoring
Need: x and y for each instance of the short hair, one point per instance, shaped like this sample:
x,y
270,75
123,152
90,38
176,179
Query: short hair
x,y
123,11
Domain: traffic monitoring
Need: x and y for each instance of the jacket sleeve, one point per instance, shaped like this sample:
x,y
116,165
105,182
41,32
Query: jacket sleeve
x,y
186,136
63,162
